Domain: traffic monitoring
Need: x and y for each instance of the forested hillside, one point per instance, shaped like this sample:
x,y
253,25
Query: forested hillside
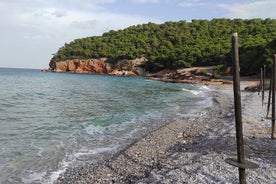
x,y
181,44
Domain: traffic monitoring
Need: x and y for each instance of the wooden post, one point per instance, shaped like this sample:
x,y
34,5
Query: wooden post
x,y
264,77
269,96
260,81
241,163
273,98
238,111
263,84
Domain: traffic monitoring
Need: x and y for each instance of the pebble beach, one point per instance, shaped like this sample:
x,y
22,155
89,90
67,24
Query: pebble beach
x,y
192,150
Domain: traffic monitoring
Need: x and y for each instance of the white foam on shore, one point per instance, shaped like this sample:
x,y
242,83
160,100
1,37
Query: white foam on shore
x,y
204,100
49,178
201,90
194,92
34,176
204,87
71,158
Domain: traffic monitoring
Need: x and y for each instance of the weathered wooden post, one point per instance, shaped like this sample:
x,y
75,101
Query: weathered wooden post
x,y
273,98
261,81
269,96
237,103
240,162
264,77
263,85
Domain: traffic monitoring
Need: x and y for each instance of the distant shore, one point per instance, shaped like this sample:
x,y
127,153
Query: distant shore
x,y
192,150
197,81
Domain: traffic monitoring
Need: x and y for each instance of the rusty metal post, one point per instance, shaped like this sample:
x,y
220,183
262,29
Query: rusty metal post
x,y
237,103
273,98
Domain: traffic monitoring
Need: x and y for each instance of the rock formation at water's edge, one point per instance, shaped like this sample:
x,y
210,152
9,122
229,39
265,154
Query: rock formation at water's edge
x,y
98,66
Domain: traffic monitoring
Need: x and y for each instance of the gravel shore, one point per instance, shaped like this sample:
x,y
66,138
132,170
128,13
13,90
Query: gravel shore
x,y
192,150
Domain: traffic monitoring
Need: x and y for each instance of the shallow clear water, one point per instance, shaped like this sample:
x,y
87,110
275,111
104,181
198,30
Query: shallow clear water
x,y
50,121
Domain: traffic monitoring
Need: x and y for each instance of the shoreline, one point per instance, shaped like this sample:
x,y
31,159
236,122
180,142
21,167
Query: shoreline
x,y
191,150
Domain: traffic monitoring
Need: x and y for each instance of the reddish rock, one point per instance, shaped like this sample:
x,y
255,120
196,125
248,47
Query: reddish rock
x,y
73,65
97,66
61,67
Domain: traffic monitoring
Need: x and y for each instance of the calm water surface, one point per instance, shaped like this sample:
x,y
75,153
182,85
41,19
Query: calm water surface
x,y
52,121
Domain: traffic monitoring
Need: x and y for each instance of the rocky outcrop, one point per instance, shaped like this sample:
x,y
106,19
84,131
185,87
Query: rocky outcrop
x,y
194,75
99,66
96,66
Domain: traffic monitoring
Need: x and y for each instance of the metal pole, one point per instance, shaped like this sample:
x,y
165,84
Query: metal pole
x,y
273,98
237,102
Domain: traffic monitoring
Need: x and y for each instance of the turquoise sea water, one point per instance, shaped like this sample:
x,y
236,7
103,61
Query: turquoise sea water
x,y
52,121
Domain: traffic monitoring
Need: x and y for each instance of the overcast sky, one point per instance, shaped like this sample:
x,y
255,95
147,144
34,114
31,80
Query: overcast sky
x,y
32,30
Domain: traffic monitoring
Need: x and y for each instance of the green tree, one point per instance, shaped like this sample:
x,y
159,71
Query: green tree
x,y
173,45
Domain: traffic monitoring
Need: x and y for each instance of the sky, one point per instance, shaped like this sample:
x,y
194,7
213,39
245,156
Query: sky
x,y
31,31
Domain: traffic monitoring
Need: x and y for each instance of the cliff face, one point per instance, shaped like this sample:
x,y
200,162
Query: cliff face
x,y
98,66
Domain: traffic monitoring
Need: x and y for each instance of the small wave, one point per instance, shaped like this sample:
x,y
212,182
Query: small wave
x,y
194,92
197,91
204,87
48,178
38,148
95,130
71,158
86,151
33,177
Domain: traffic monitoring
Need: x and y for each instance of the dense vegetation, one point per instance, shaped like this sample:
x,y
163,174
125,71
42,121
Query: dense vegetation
x,y
180,44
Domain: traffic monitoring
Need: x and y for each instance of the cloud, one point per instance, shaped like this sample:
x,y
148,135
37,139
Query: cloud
x,y
36,29
250,9
59,13
192,3
90,24
35,36
145,1
90,18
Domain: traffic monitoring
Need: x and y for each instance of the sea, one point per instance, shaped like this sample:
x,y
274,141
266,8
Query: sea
x,y
50,122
